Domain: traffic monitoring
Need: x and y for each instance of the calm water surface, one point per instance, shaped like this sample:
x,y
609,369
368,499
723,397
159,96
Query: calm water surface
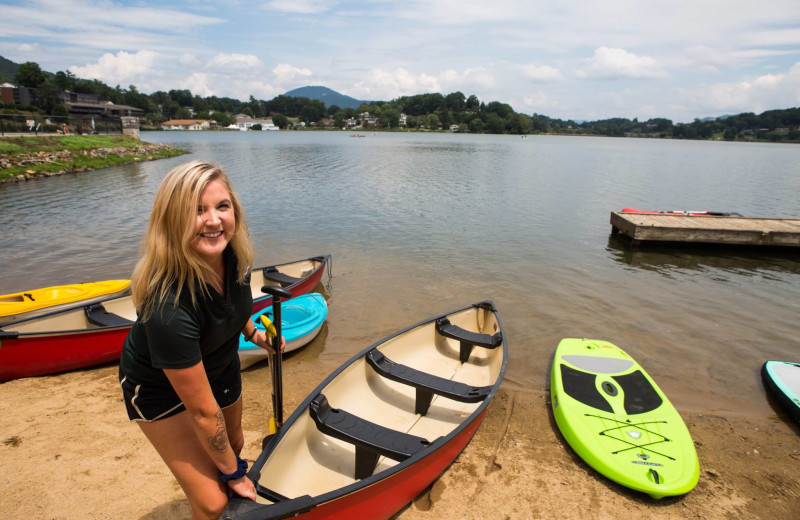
x,y
421,224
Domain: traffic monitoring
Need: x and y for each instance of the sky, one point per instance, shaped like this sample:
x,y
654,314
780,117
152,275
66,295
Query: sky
x,y
566,59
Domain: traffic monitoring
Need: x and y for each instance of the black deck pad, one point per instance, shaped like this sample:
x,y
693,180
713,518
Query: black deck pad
x,y
581,387
640,396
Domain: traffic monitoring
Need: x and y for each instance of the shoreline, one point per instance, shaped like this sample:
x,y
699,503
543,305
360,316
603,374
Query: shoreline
x,y
67,435
37,156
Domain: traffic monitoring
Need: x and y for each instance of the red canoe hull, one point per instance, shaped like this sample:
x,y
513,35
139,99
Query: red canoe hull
x,y
385,498
36,355
303,287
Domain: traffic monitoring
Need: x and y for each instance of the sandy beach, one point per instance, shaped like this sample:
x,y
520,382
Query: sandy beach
x,y
68,452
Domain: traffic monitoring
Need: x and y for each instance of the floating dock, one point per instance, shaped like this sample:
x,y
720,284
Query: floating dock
x,y
710,230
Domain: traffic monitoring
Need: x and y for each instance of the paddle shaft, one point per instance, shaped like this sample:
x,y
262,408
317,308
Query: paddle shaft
x,y
277,365
277,293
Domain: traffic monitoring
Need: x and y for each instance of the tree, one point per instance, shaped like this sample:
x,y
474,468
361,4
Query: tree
x,y
65,80
389,118
30,75
183,113
280,120
48,96
495,124
181,97
476,125
433,122
456,102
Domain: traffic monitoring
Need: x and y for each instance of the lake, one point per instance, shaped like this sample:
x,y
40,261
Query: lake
x,y
420,224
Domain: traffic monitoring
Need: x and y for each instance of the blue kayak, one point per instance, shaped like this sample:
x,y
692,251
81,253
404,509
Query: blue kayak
x,y
301,320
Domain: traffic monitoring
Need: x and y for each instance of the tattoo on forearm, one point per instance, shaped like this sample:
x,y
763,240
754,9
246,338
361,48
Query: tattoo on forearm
x,y
219,441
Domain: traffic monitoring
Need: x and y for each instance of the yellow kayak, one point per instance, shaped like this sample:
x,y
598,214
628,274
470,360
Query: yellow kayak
x,y
19,305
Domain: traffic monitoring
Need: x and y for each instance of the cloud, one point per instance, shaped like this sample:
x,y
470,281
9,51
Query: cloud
x,y
382,84
234,62
286,74
610,63
541,73
119,68
765,92
301,6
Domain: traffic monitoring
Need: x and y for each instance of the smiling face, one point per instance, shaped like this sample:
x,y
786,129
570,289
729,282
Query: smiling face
x,y
215,222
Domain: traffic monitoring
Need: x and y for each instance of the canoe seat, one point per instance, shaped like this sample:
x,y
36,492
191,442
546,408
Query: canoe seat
x,y
371,440
98,315
273,275
426,384
468,339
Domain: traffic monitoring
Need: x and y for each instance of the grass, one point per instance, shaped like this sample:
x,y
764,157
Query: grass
x,y
10,147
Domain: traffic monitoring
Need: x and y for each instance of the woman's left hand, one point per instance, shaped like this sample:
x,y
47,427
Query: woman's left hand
x,y
262,341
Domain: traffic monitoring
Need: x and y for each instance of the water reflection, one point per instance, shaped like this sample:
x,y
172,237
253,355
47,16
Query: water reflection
x,y
667,259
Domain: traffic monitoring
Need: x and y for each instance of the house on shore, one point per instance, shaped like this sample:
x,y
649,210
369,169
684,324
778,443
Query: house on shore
x,y
245,122
189,124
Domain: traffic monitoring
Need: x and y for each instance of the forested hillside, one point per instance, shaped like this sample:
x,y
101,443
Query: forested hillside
x,y
430,111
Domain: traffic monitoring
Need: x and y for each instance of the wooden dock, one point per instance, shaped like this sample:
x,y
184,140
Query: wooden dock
x,y
712,230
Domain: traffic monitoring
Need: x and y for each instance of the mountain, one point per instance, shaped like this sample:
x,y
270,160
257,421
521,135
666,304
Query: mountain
x,y
7,68
327,96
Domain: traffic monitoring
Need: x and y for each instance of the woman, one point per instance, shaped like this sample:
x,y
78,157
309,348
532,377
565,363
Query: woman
x,y
179,368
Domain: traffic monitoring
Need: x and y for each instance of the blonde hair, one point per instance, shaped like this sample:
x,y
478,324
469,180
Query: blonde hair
x,y
167,256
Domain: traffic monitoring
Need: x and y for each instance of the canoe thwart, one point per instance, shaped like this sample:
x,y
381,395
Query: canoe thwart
x,y
371,440
466,338
426,384
98,315
273,275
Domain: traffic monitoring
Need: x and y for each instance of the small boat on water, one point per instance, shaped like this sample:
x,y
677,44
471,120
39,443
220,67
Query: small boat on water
x,y
23,304
80,336
383,426
301,320
698,213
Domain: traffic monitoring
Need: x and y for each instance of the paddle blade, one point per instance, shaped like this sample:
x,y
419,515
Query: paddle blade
x,y
269,327
273,428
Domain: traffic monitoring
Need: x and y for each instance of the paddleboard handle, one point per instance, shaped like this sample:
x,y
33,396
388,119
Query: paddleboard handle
x,y
276,291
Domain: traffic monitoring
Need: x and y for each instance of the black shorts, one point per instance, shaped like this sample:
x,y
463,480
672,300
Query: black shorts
x,y
152,403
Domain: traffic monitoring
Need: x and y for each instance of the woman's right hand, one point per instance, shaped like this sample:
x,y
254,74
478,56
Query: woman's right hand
x,y
243,487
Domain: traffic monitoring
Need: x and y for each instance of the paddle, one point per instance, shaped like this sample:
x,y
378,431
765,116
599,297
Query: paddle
x,y
274,330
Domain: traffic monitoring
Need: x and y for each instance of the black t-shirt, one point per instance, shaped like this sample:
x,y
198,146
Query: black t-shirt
x,y
182,336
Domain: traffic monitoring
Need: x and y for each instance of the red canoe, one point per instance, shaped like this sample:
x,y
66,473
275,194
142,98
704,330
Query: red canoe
x,y
380,429
81,336
678,212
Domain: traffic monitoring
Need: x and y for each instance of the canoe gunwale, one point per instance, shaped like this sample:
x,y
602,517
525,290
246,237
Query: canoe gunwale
x,y
305,503
7,334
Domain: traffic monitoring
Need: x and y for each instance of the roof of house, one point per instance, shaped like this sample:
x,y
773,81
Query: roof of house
x,y
185,121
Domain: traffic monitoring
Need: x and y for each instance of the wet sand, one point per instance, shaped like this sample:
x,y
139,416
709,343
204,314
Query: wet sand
x,y
69,452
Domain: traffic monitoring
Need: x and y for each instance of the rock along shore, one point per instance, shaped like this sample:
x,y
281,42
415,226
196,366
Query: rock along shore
x,y
67,159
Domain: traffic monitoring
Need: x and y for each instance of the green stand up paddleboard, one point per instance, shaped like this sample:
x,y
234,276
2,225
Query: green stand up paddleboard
x,y
617,419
